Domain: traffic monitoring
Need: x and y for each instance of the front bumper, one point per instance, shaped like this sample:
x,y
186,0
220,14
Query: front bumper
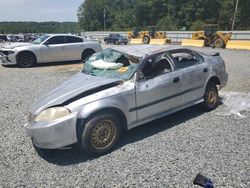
x,y
8,60
52,135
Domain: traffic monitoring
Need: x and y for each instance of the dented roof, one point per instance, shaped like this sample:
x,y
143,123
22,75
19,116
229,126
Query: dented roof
x,y
142,50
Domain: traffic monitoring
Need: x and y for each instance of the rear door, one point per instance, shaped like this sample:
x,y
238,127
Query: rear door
x,y
159,88
54,49
74,48
194,73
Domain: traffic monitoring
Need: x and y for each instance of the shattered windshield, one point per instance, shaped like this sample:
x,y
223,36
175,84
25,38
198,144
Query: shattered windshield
x,y
41,39
112,64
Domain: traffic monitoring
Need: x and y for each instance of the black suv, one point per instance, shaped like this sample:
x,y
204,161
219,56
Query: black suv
x,y
116,39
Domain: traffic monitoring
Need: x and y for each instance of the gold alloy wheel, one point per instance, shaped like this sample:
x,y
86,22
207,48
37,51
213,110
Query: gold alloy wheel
x,y
212,97
103,134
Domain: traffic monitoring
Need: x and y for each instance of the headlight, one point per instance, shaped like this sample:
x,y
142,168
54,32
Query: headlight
x,y
8,52
11,52
51,114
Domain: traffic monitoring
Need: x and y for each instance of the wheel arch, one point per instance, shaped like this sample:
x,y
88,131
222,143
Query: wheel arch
x,y
91,113
80,124
86,49
213,79
26,51
119,113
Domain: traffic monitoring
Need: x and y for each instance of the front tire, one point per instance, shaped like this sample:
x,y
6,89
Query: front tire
x,y
26,59
100,134
211,97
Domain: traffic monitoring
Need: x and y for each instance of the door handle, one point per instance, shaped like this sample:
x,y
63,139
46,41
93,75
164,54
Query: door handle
x,y
176,79
205,70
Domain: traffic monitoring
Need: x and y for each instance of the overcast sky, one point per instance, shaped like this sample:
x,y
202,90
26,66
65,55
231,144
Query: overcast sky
x,y
39,10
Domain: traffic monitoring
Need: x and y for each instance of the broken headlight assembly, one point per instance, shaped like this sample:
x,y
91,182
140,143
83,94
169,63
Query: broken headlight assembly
x,y
52,114
6,52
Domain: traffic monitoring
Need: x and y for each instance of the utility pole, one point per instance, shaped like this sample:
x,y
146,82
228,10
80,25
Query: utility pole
x,y
235,11
104,19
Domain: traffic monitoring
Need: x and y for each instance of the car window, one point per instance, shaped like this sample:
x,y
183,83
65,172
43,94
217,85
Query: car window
x,y
111,64
155,66
56,40
185,58
71,39
41,39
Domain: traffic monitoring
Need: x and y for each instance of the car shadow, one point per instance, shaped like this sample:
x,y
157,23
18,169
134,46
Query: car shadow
x,y
48,64
74,155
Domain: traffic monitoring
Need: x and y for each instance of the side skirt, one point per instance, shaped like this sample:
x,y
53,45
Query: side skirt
x,y
157,116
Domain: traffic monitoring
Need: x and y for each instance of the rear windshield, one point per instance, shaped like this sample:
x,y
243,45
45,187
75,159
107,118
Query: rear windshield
x,y
111,64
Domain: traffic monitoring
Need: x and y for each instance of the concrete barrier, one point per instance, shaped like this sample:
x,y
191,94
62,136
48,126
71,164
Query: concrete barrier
x,y
135,41
238,44
158,41
191,42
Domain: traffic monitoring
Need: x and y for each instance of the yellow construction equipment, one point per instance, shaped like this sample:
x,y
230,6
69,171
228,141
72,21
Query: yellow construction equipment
x,y
239,44
136,36
155,37
210,36
152,36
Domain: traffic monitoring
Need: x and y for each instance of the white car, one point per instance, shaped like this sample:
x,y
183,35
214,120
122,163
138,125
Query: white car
x,y
48,48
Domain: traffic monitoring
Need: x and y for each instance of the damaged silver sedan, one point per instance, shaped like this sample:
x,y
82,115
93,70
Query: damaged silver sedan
x,y
121,88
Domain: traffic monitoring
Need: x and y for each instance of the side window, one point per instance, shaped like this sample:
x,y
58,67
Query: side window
x,y
185,58
70,39
156,66
56,40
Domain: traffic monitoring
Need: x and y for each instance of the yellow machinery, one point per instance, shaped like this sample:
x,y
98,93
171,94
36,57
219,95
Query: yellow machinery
x,y
152,36
136,36
209,37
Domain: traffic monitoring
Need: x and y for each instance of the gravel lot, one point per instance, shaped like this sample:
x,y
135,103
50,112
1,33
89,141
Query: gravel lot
x,y
168,152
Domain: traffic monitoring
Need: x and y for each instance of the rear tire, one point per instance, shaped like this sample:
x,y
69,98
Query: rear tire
x,y
100,134
87,53
211,97
219,43
26,59
146,40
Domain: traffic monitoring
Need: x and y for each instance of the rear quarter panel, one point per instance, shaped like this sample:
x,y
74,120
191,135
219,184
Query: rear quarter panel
x,y
217,68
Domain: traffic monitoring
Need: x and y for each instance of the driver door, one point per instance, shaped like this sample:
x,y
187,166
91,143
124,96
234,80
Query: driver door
x,y
157,91
54,49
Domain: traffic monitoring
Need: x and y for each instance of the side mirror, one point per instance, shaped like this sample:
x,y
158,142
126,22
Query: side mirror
x,y
46,43
139,76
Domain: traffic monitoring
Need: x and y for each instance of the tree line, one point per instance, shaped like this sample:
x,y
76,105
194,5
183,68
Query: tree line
x,y
94,15
39,27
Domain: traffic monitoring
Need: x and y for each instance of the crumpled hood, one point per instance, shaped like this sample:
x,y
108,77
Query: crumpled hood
x,y
12,45
79,84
